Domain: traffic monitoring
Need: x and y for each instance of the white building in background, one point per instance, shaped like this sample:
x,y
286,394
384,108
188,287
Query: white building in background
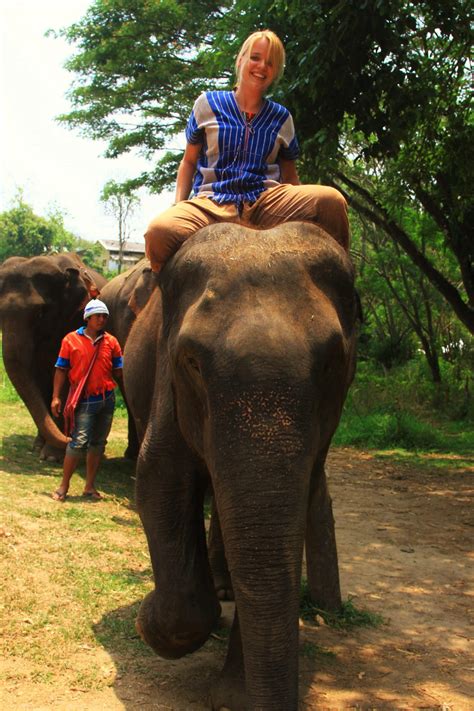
x,y
132,253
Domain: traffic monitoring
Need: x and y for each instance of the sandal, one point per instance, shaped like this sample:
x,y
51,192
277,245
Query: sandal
x,y
59,495
92,495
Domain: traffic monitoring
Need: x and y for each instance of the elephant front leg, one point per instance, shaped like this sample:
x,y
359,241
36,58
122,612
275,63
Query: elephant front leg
x,y
321,551
178,616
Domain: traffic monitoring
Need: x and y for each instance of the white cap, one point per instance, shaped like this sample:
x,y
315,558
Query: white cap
x,y
95,306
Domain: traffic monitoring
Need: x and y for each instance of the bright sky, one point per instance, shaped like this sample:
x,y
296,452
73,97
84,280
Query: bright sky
x,y
54,165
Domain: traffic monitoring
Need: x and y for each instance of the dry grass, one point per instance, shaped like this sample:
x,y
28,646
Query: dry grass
x,y
73,572
72,576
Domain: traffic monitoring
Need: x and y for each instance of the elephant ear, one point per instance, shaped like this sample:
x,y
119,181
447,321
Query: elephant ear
x,y
92,288
142,291
76,294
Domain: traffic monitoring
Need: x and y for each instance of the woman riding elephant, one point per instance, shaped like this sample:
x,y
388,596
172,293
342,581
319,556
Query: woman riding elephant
x,y
236,371
240,161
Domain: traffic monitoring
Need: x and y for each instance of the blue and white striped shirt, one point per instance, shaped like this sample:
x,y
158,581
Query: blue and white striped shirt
x,y
239,158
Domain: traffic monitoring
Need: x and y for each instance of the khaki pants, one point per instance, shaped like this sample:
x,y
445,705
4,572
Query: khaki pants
x,y
322,205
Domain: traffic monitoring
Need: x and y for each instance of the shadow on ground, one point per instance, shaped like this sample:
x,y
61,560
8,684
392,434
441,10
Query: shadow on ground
x,y
144,680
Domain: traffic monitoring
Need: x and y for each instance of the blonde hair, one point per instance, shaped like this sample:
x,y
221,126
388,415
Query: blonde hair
x,y
276,53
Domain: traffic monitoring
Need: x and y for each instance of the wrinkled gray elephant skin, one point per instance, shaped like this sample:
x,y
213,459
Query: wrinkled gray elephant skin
x,y
41,299
237,370
126,295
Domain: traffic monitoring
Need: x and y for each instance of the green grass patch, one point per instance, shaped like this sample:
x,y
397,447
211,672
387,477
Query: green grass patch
x,y
403,409
73,568
436,462
7,391
117,630
346,618
395,428
313,651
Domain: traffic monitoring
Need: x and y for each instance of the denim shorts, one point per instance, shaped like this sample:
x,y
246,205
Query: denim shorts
x,y
92,423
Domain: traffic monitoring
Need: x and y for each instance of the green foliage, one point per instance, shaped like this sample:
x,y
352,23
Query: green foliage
x,y
24,234
395,133
139,68
389,430
7,391
120,202
92,254
346,618
403,409
403,311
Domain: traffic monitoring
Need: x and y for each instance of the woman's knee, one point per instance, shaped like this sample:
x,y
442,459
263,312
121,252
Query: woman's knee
x,y
328,198
159,229
162,240
330,209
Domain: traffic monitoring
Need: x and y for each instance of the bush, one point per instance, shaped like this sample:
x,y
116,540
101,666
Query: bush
x,y
403,408
390,429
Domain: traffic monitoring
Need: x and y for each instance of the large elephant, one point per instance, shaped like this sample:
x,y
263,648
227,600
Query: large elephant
x,y
237,370
41,299
126,295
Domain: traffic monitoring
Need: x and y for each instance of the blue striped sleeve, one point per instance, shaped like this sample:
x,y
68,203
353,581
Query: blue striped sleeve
x,y
117,362
194,134
289,149
291,152
62,363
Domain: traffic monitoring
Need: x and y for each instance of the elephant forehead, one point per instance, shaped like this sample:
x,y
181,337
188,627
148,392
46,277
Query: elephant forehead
x,y
18,291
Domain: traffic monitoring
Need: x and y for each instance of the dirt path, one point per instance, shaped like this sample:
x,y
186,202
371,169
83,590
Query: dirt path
x,y
404,540
405,547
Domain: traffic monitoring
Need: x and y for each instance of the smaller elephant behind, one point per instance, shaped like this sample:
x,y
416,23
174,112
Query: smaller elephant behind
x,y
126,295
42,299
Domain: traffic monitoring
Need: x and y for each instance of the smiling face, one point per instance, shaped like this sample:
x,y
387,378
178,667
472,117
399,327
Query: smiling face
x,y
261,61
256,68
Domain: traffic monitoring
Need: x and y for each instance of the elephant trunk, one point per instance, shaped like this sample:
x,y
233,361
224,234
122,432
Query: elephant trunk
x,y
18,359
261,491
264,558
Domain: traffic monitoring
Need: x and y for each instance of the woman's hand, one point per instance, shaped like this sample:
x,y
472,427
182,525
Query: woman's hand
x,y
288,172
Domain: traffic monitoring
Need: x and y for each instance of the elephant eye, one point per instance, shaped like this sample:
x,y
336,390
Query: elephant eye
x,y
193,364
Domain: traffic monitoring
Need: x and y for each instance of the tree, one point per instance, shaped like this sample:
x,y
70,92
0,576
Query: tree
x,y
397,127
120,202
25,234
379,91
138,70
405,309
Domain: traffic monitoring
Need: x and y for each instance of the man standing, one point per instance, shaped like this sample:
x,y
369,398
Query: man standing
x,y
92,359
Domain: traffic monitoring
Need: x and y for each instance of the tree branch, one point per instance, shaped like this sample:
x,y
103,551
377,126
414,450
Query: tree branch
x,y
379,217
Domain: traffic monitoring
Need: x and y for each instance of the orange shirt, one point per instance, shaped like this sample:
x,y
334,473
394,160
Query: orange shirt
x,y
76,353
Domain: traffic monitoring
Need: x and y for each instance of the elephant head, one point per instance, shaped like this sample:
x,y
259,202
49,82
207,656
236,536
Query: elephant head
x,y
126,295
255,350
41,299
